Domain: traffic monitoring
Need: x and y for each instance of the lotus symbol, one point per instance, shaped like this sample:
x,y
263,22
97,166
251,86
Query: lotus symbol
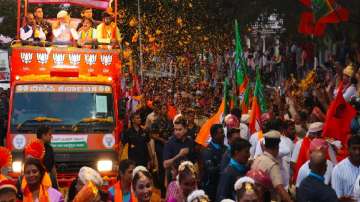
x,y
42,58
74,59
106,59
26,58
90,59
58,58
108,141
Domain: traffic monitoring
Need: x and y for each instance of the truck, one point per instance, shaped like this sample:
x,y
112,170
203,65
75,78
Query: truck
x,y
74,91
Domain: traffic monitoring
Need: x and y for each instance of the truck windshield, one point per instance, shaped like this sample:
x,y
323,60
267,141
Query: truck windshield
x,y
65,108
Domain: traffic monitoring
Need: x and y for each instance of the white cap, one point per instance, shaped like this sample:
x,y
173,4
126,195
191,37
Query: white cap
x,y
273,134
245,118
316,127
87,174
197,194
138,169
62,14
227,200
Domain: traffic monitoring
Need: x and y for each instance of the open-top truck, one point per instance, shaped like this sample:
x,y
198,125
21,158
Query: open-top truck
x,y
75,92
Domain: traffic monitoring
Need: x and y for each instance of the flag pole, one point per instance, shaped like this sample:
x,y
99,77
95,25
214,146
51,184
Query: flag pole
x,y
116,10
25,7
18,21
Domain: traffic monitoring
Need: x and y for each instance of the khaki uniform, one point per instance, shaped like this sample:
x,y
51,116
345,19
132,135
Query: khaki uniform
x,y
271,166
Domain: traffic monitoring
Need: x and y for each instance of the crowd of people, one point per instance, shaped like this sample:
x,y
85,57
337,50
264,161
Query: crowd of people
x,y
287,159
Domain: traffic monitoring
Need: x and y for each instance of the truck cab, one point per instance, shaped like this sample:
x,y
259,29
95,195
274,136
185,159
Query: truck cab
x,y
75,91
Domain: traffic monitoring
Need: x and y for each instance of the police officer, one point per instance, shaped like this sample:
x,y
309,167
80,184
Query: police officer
x,y
268,163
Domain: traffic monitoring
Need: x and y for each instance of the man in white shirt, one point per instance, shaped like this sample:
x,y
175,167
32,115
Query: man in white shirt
x,y
31,31
316,144
345,173
62,31
255,137
357,189
315,131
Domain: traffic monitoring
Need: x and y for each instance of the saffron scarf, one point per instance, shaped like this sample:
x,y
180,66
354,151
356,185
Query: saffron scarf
x,y
88,35
108,31
2,177
43,190
118,196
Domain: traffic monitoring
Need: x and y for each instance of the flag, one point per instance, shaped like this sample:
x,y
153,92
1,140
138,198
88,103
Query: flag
x,y
240,70
338,118
321,8
323,12
306,24
98,4
258,105
303,156
204,133
245,102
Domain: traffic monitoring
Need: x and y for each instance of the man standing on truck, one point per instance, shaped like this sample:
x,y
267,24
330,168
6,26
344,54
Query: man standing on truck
x,y
44,134
45,25
31,31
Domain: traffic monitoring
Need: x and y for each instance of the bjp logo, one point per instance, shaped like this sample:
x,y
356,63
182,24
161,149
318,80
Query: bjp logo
x,y
26,58
90,59
58,58
74,59
106,60
42,58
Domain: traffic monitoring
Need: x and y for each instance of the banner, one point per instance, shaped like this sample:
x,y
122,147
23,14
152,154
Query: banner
x,y
98,4
46,61
69,142
62,88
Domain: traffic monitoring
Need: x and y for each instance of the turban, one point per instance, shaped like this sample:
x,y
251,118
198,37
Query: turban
x,y
35,149
62,14
197,195
260,177
241,181
318,144
87,174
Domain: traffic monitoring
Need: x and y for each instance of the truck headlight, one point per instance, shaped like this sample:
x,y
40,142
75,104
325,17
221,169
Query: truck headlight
x,y
104,165
17,166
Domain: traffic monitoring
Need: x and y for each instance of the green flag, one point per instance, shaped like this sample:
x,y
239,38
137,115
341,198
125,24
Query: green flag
x,y
247,96
321,8
240,70
259,91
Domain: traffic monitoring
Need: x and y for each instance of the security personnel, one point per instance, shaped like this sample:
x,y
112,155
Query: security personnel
x,y
268,163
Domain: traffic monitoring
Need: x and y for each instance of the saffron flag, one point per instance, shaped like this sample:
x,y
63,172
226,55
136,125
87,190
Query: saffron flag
x,y
338,118
258,105
303,156
98,4
204,133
